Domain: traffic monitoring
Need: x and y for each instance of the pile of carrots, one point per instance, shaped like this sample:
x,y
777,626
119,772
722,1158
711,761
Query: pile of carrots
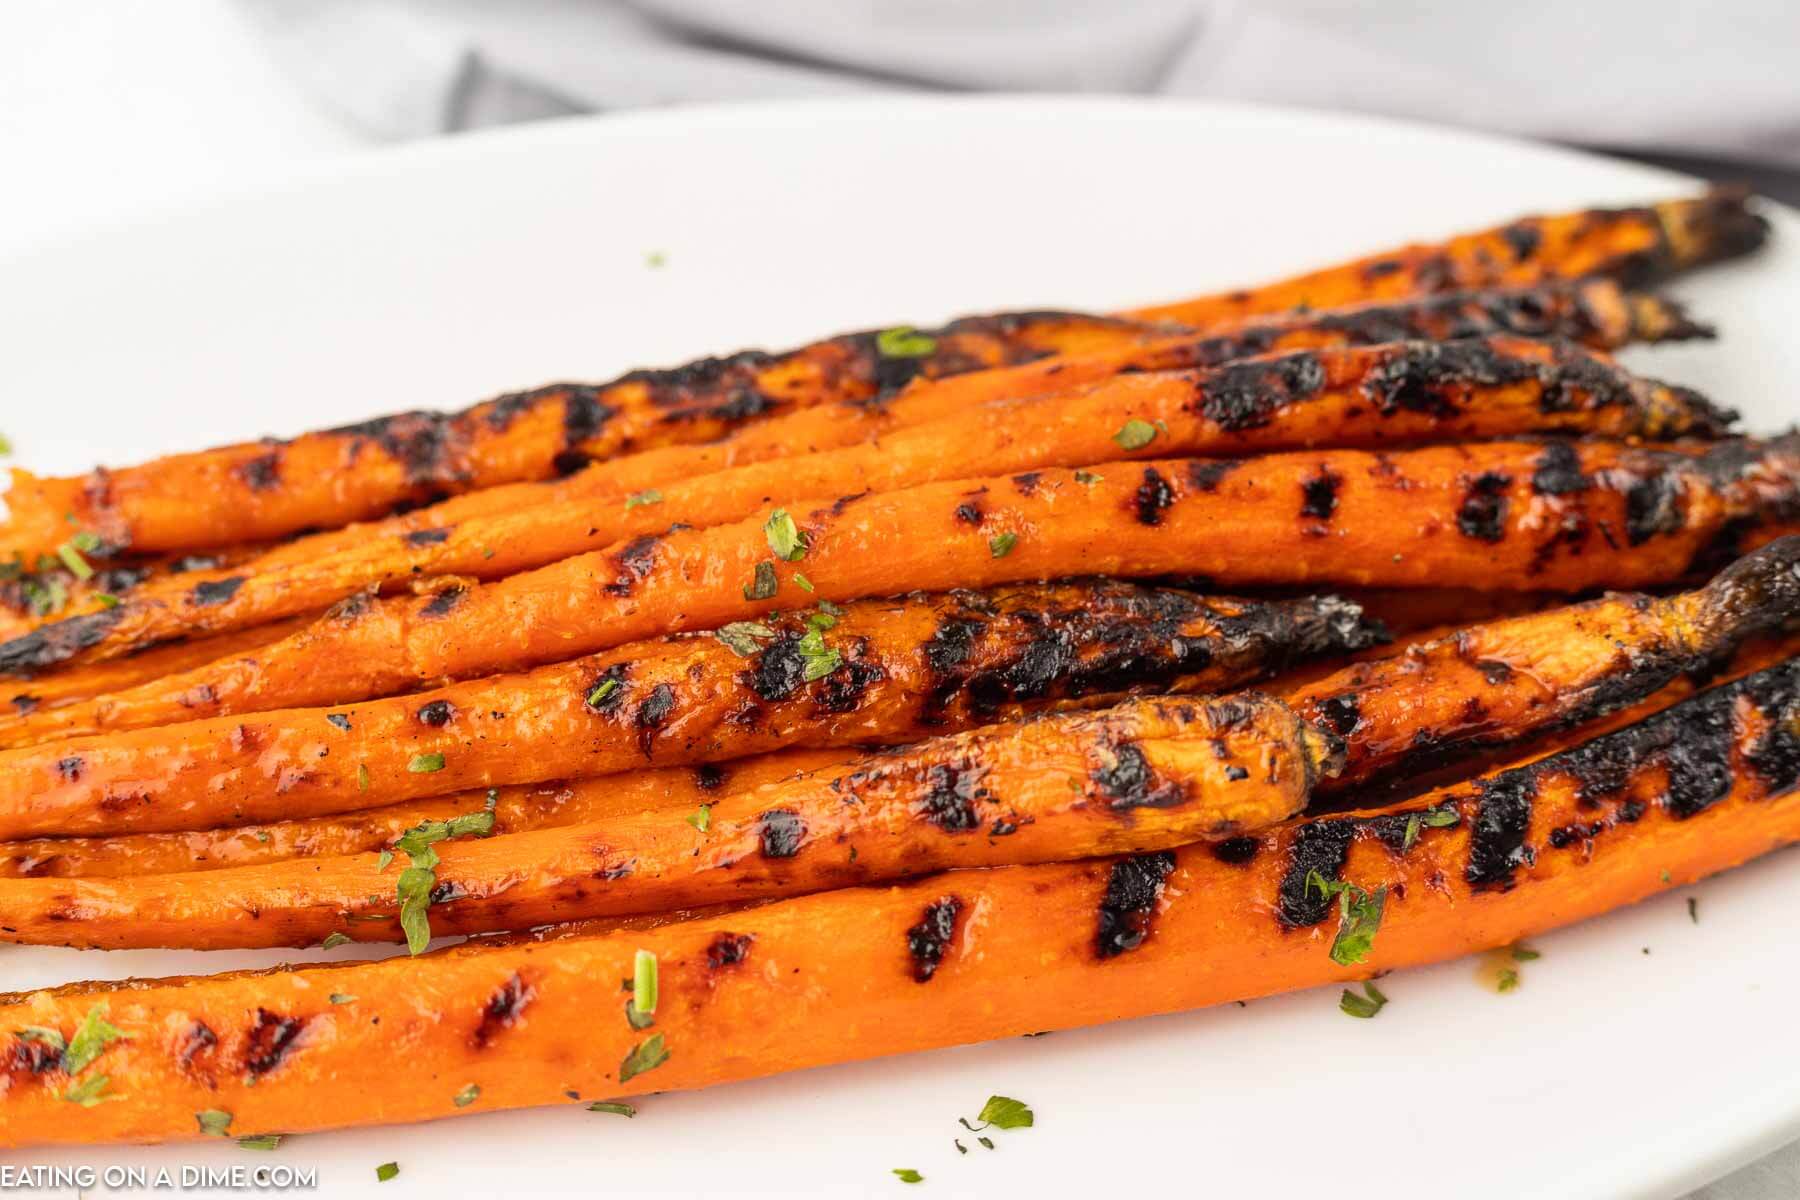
x,y
907,689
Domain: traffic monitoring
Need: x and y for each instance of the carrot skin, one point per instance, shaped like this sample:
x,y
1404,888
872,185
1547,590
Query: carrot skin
x,y
880,672
856,974
1388,394
1144,775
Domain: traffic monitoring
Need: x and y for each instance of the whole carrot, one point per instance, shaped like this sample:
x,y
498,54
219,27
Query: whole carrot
x,y
265,490
947,960
1144,775
1529,516
878,671
1389,394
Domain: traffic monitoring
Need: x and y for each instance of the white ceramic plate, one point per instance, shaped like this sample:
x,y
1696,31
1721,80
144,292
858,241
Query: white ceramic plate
x,y
1644,1055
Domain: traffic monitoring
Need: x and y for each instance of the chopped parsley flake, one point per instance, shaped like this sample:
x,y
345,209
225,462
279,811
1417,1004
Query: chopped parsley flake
x,y
1525,954
383,859
342,998
467,1096
802,582
1694,909
386,1171
1435,818
334,939
1135,434
904,341
70,553
908,1175
606,688
817,660
213,1122
639,499
93,1036
106,600
647,1055
614,1107
417,881
1359,917
784,536
89,1092
1364,1006
1001,544
744,638
260,1141
1088,477
701,818
1507,980
425,764
1003,1112
362,777
655,259
643,982
6,446
763,586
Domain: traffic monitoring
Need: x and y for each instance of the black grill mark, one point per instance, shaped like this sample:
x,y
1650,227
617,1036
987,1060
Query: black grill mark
x,y
950,796
1342,713
1431,377
420,442
608,704
1236,851
584,416
969,513
217,591
1204,474
50,644
1321,846
428,537
1497,844
708,777
728,950
780,832
1523,239
437,714
652,711
69,769
1482,514
502,1011
929,940
636,560
1130,782
269,1041
1244,396
1154,497
1653,506
1133,890
780,670
1559,472
951,643
263,473
1318,495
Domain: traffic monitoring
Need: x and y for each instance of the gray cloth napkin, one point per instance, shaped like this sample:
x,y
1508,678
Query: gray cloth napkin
x,y
1694,83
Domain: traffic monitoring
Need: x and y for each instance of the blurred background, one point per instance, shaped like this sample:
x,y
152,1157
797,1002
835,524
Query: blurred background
x,y
110,105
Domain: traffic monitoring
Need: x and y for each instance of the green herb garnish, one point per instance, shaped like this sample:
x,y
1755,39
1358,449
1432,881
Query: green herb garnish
x,y
6,447
260,1141
605,688
614,1107
1525,954
1001,544
1088,477
744,638
638,499
467,1096
89,1092
47,1037
214,1122
417,881
904,341
335,939
802,582
1435,818
643,983
908,1175
386,1171
425,764
1135,434
817,660
107,600
1507,980
701,818
645,1056
1003,1112
71,551
342,998
93,1036
1364,1006
1694,909
362,777
784,536
763,586
1359,917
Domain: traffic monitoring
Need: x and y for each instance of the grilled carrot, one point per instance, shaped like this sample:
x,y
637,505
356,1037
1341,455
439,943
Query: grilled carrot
x,y
1556,516
1489,685
516,809
58,586
877,671
1635,245
1388,394
1144,775
1595,312
947,960
270,489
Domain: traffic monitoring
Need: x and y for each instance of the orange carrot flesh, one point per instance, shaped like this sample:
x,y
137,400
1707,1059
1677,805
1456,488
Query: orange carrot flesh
x,y
876,671
1529,516
947,960
1144,775
1387,394
1632,244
